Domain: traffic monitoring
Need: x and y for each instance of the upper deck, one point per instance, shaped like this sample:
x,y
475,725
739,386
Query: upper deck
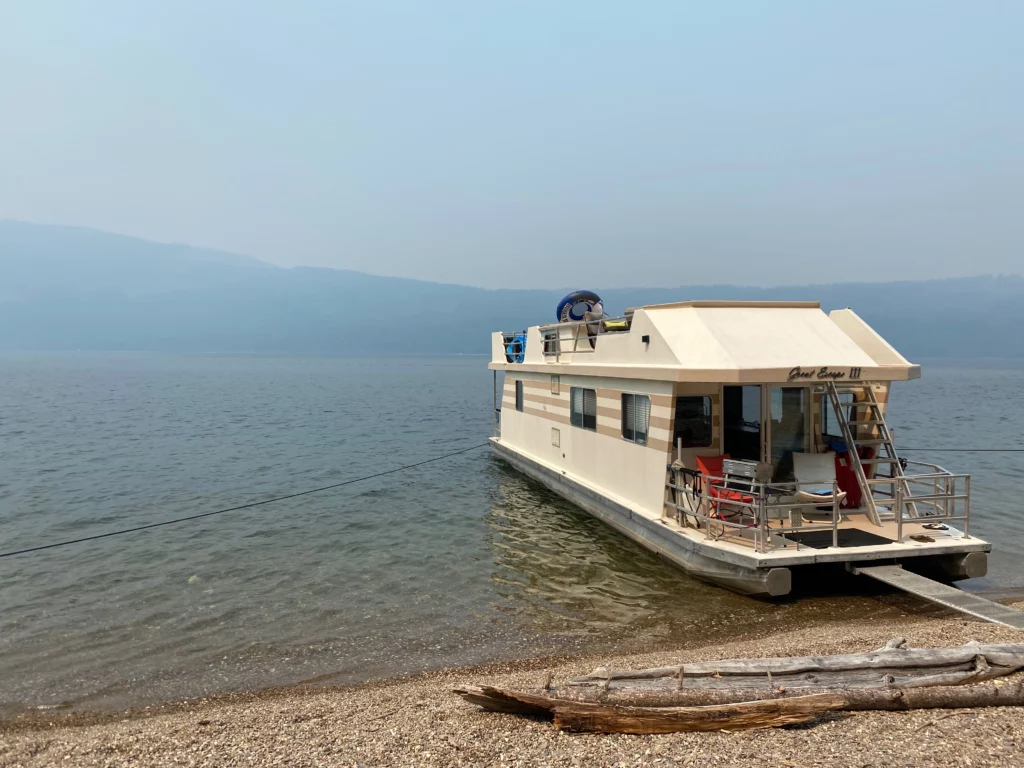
x,y
713,341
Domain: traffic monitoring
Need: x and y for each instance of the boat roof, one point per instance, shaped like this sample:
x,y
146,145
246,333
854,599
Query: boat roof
x,y
722,341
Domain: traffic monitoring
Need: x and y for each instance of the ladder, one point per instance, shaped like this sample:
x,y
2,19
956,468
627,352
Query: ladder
x,y
885,453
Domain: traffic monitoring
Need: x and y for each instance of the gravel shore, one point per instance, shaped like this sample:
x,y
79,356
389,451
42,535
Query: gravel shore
x,y
417,721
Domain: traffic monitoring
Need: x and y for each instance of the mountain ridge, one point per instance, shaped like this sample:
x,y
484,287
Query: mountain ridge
x,y
74,288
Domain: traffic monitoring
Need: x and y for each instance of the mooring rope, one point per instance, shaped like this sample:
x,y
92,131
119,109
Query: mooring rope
x,y
248,505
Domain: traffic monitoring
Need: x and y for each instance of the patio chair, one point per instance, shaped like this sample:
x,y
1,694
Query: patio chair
x,y
816,477
713,473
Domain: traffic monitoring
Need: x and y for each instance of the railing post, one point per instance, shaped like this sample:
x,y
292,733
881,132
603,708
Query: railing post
x,y
967,503
706,509
835,513
762,513
494,394
898,493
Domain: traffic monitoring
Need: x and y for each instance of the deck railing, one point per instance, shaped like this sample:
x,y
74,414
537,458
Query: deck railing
x,y
765,512
579,337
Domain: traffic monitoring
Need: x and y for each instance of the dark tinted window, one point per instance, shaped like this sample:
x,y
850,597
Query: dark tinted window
x,y
693,422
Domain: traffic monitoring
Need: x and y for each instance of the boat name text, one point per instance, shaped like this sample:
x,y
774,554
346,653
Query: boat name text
x,y
822,373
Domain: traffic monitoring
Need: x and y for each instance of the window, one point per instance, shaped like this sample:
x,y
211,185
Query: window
x,y
519,395
636,416
583,408
550,339
693,422
829,422
555,383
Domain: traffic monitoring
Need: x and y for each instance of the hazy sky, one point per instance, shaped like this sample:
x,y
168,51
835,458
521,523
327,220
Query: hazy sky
x,y
529,143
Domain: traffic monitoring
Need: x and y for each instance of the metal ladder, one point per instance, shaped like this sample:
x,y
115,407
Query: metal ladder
x,y
883,443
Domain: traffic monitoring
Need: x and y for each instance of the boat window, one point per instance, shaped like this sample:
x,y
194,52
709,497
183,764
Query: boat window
x,y
519,395
583,410
636,416
789,420
829,422
550,338
555,383
693,422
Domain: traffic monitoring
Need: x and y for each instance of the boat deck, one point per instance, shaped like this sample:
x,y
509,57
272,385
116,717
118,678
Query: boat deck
x,y
742,549
791,551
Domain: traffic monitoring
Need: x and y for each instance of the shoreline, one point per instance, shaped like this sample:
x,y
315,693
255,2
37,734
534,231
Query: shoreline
x,y
99,706
416,720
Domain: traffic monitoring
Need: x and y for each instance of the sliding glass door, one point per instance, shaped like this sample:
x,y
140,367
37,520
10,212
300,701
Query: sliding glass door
x,y
788,428
766,424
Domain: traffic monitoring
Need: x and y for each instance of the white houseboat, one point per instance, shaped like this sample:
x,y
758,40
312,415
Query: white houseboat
x,y
743,441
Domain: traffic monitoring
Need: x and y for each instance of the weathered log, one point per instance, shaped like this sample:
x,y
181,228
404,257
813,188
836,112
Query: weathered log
x,y
784,710
679,697
601,718
514,702
889,657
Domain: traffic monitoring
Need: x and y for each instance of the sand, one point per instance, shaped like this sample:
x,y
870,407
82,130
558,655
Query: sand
x,y
417,721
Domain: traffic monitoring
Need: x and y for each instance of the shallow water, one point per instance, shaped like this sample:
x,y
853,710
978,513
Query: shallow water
x,y
458,562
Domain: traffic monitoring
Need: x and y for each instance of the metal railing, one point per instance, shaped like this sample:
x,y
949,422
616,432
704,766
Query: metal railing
x,y
941,490
579,337
712,500
765,512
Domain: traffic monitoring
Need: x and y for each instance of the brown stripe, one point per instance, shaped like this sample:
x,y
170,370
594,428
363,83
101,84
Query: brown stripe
x,y
661,422
664,401
535,384
547,415
662,446
654,444
555,400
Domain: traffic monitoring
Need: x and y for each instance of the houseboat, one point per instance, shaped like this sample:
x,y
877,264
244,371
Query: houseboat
x,y
742,441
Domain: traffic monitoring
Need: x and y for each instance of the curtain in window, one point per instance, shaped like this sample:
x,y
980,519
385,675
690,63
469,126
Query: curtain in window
x,y
636,416
590,409
642,418
576,407
628,417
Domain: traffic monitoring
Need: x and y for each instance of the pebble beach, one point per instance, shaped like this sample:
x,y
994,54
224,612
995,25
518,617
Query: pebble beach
x,y
418,721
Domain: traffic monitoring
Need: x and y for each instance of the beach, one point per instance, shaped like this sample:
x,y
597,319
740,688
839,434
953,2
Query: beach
x,y
418,721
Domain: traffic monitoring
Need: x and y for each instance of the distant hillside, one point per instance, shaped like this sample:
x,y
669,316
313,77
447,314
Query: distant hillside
x,y
66,288
44,261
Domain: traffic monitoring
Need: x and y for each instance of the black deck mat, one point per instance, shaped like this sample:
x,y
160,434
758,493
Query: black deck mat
x,y
848,537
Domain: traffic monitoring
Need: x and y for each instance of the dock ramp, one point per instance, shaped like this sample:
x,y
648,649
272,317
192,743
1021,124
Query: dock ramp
x,y
943,594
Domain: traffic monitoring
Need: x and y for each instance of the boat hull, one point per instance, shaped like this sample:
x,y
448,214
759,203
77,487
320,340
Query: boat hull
x,y
760,582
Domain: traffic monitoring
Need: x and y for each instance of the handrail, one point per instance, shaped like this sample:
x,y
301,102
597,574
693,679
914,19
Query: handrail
x,y
552,335
764,497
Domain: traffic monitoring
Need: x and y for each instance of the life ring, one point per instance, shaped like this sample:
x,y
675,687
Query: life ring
x,y
516,350
573,307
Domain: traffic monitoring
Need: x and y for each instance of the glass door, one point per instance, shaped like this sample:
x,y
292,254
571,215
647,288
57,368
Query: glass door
x,y
742,431
788,421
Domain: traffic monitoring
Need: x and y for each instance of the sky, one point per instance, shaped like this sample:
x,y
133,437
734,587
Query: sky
x,y
529,144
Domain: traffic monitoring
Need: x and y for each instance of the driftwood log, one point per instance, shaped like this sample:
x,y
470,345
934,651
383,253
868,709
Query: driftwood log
x,y
759,693
582,716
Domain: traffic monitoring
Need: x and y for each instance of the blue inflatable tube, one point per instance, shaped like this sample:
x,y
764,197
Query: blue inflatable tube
x,y
573,307
516,350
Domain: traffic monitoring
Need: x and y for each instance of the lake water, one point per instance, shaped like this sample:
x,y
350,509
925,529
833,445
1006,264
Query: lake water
x,y
458,562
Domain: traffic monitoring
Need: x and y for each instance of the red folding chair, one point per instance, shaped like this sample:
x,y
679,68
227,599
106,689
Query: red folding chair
x,y
713,474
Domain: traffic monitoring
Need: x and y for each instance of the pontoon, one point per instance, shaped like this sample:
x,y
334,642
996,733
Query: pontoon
x,y
742,441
